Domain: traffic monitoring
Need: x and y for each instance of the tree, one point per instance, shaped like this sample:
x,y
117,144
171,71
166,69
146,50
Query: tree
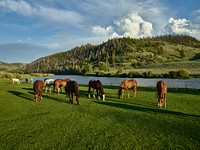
x,y
103,66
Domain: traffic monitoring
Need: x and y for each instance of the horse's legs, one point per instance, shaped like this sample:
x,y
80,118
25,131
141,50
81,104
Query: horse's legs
x,y
71,97
40,96
78,100
68,96
45,88
165,100
127,92
89,92
159,100
94,93
98,94
50,89
35,97
134,91
122,93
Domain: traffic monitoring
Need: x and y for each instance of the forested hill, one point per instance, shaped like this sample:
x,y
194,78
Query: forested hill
x,y
119,52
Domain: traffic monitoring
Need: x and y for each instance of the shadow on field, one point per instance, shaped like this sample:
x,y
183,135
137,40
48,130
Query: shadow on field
x,y
22,95
147,109
184,91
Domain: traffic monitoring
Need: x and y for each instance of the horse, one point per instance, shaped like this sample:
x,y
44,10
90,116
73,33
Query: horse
x,y
161,92
38,88
15,80
48,83
96,84
58,83
70,88
127,84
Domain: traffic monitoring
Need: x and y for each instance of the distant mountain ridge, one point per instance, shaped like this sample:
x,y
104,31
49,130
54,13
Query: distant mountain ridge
x,y
119,52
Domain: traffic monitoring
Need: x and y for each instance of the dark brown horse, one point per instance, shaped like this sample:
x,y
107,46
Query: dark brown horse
x,y
38,88
161,92
72,87
97,85
127,84
59,83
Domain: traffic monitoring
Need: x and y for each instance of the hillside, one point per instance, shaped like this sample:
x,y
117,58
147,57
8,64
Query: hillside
x,y
11,66
123,53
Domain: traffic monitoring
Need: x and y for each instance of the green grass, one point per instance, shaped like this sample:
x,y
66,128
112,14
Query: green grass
x,y
135,123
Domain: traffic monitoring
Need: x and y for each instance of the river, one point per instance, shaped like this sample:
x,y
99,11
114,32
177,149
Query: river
x,y
145,82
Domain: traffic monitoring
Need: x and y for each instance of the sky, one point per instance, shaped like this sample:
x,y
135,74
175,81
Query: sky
x,y
31,29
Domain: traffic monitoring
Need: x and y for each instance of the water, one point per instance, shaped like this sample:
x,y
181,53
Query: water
x,y
176,83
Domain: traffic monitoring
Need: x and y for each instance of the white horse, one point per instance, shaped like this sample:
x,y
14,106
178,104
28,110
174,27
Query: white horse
x,y
15,80
47,84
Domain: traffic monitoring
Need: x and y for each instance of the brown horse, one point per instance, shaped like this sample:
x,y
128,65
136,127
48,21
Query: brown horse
x,y
72,87
161,92
127,84
38,88
58,83
97,85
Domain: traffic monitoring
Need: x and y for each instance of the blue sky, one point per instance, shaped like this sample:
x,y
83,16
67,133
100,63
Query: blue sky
x,y
31,29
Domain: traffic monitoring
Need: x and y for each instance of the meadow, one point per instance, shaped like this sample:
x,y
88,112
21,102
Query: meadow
x,y
135,123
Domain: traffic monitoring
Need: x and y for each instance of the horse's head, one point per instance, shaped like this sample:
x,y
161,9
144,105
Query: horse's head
x,y
120,93
103,94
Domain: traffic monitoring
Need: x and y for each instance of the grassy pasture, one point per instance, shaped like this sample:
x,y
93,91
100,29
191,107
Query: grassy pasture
x,y
135,123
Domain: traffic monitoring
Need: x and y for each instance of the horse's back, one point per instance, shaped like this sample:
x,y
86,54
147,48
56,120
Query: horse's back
x,y
95,84
38,86
128,83
161,87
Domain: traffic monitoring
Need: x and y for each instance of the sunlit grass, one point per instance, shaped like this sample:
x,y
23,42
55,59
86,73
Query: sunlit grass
x,y
135,123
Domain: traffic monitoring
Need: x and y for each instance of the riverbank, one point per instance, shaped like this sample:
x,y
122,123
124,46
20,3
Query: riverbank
x,y
193,83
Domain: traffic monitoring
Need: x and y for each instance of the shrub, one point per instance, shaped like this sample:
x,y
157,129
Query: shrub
x,y
135,74
6,76
182,74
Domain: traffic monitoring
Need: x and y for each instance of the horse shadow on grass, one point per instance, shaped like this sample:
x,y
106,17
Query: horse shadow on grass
x,y
22,95
148,109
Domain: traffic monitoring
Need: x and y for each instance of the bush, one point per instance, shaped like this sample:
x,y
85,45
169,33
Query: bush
x,y
6,76
135,75
182,74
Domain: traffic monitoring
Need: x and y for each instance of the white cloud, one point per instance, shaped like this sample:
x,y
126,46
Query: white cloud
x,y
132,25
179,26
49,14
182,26
100,31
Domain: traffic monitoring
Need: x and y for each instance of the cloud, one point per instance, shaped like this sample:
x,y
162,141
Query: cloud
x,y
49,14
134,26
183,26
131,25
178,26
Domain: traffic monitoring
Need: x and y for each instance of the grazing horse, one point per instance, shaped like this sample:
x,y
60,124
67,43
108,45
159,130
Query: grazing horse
x,y
72,87
161,92
127,84
58,83
38,88
15,80
96,84
48,83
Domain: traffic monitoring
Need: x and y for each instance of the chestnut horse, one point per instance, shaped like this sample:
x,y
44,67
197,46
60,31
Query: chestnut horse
x,y
97,85
127,84
72,87
161,92
58,83
38,88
